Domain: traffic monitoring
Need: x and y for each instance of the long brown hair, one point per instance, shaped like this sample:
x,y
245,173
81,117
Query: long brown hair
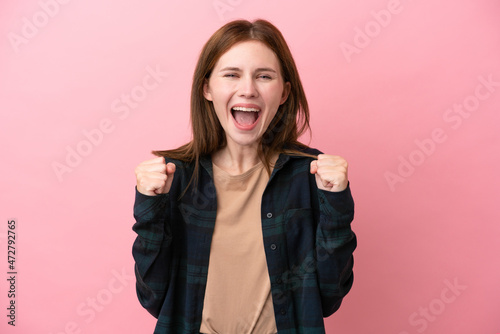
x,y
289,123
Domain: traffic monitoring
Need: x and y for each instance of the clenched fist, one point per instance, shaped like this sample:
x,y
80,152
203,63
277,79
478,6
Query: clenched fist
x,y
154,176
330,172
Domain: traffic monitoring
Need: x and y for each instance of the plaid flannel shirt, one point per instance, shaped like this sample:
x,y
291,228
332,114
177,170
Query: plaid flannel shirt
x,y
307,238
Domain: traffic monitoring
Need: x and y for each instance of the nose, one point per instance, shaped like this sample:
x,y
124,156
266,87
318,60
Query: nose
x,y
247,88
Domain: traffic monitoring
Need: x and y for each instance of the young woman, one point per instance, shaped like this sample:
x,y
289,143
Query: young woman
x,y
244,229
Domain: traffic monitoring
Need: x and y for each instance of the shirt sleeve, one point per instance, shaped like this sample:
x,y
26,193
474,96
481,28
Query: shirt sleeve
x,y
151,249
335,244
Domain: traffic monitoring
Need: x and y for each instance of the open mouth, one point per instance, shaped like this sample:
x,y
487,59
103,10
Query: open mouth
x,y
245,117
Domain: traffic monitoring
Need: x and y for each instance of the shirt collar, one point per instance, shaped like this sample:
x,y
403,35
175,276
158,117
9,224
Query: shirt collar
x,y
206,162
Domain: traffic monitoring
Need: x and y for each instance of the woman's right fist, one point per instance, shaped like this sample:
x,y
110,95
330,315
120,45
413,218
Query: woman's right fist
x,y
154,176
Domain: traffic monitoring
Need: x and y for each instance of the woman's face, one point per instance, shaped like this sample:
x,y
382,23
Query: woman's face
x,y
246,88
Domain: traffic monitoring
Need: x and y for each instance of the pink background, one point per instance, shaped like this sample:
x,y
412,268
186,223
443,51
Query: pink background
x,y
385,81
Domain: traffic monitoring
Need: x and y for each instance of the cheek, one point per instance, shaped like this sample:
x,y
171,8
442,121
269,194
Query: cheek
x,y
275,95
221,114
220,104
270,116
273,104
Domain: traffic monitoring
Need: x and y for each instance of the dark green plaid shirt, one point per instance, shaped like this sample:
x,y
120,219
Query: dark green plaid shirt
x,y
307,238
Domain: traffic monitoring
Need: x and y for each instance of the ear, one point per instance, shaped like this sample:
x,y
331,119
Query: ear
x,y
206,91
286,92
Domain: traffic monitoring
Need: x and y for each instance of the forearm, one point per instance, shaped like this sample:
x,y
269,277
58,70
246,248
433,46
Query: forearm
x,y
335,244
151,249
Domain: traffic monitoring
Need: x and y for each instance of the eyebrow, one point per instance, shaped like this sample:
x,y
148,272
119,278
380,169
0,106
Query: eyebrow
x,y
237,69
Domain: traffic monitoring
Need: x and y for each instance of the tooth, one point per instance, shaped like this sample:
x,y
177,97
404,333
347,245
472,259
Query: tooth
x,y
246,109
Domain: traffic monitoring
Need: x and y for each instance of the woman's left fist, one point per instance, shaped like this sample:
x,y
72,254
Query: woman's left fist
x,y
330,172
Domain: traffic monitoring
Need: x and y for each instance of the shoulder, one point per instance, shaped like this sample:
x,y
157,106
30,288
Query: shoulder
x,y
311,150
302,152
178,163
298,158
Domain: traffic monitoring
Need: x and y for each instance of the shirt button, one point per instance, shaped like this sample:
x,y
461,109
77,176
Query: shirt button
x,y
269,215
283,311
273,246
279,281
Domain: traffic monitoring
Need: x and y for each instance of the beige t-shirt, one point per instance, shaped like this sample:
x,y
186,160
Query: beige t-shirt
x,y
238,293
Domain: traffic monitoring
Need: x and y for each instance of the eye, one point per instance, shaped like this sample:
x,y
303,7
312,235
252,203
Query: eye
x,y
230,75
265,76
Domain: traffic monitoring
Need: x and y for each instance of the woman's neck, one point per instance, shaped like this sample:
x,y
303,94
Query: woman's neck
x,y
236,159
